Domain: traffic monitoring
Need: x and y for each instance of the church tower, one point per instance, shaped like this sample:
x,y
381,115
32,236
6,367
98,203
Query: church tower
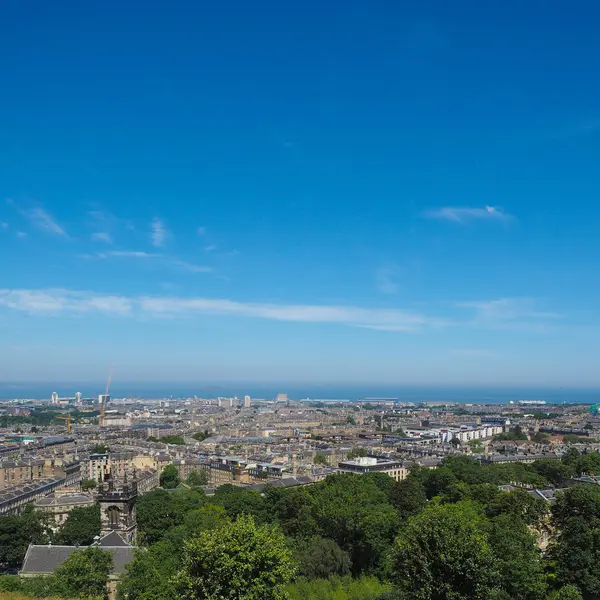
x,y
117,508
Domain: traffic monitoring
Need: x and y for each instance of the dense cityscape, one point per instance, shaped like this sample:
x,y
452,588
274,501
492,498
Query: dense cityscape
x,y
102,474
342,258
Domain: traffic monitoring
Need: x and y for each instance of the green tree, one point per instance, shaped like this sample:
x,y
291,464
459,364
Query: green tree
x,y
85,573
408,496
356,452
439,481
205,518
18,531
337,588
569,592
319,557
238,501
100,449
354,512
518,558
292,509
88,484
156,512
201,435
149,576
575,550
169,478
81,526
444,553
320,458
197,478
176,440
237,561
555,471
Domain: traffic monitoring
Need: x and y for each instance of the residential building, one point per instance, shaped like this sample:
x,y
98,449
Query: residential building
x,y
370,464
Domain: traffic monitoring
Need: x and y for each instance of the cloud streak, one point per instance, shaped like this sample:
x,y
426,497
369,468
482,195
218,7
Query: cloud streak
x,y
155,257
462,215
43,220
48,302
508,313
508,309
385,279
158,233
102,236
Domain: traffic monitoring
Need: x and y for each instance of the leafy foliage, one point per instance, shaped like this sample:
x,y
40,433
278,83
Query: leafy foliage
x,y
575,551
320,458
88,484
85,573
319,557
176,440
81,526
237,560
201,435
443,553
356,452
169,478
100,449
336,588
197,478
17,532
159,510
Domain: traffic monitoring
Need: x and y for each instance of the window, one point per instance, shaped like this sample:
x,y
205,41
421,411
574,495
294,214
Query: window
x,y
113,515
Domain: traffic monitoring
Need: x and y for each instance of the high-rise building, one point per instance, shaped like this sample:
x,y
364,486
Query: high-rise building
x,y
104,399
78,397
54,398
247,402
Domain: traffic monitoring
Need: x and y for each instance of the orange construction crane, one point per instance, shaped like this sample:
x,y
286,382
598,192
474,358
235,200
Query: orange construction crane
x,y
66,418
110,371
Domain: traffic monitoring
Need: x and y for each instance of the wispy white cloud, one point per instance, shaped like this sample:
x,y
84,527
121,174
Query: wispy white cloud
x,y
133,254
386,279
210,248
60,301
157,257
463,214
54,301
43,220
158,232
3,225
102,236
202,230
507,309
510,314
497,314
187,266
21,234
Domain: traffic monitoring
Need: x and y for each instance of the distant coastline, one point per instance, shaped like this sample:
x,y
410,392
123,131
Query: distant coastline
x,y
352,393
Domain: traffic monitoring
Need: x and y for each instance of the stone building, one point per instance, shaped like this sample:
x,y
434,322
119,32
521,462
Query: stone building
x,y
60,505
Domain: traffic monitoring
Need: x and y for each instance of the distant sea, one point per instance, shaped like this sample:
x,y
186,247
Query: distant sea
x,y
295,391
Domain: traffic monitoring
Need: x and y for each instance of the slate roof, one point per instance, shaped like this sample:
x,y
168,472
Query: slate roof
x,y
44,560
64,500
113,540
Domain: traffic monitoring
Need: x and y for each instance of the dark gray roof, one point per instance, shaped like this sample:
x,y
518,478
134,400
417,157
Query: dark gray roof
x,y
64,499
113,540
43,560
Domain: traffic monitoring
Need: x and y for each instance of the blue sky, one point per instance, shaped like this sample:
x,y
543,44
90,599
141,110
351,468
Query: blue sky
x,y
323,191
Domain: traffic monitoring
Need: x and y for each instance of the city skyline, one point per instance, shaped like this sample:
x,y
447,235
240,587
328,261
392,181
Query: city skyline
x,y
367,195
